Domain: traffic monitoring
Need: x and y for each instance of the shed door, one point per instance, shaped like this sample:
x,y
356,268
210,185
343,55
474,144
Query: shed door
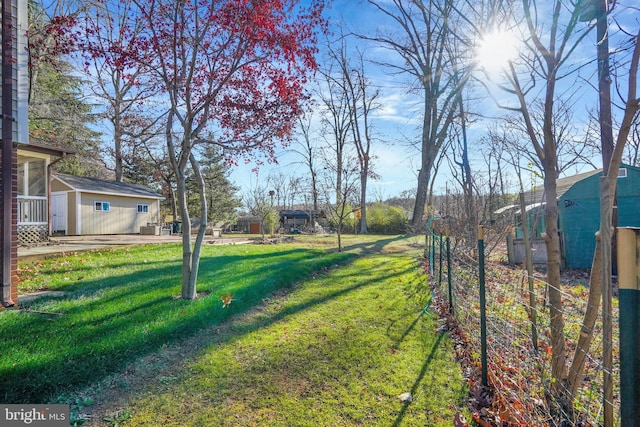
x,y
59,212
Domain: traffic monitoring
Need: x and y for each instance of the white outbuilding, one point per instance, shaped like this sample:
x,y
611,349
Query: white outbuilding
x,y
90,206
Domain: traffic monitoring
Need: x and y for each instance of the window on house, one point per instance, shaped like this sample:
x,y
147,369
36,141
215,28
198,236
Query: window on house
x,y
143,208
22,189
622,173
37,178
102,206
31,177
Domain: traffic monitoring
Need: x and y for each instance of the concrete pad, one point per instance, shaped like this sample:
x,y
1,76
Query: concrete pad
x,y
61,245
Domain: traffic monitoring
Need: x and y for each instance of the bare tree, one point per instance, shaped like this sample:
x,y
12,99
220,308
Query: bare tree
x,y
612,154
286,189
116,80
342,209
307,149
259,202
550,41
336,118
361,99
423,46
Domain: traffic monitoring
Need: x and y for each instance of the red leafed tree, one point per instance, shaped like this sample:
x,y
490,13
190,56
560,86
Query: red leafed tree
x,y
231,73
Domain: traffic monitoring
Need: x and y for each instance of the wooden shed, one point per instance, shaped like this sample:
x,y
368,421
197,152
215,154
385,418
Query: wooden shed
x,y
90,206
579,212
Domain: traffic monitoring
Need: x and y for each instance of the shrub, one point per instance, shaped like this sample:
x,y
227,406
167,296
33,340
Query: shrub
x,y
386,219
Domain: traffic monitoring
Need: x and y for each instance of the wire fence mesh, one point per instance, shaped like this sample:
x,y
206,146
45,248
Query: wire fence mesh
x,y
521,390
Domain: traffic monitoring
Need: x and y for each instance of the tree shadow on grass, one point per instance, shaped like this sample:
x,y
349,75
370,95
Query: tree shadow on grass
x,y
182,353
109,323
418,380
375,246
407,331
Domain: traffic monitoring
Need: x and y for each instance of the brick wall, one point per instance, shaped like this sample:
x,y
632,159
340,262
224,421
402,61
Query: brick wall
x,y
14,227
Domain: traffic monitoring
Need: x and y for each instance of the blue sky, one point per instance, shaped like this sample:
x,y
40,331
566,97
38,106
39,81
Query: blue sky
x,y
398,119
394,123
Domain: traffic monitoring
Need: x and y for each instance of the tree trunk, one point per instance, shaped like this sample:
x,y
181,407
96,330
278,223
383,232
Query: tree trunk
x,y
533,310
588,323
339,172
363,200
188,286
314,191
197,249
117,140
558,356
421,196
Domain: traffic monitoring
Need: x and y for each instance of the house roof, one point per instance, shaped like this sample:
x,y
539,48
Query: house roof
x,y
514,207
295,213
44,149
563,185
100,186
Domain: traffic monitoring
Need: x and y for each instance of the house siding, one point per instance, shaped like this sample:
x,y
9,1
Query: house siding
x,y
19,129
73,224
19,76
579,221
580,214
123,217
57,186
13,292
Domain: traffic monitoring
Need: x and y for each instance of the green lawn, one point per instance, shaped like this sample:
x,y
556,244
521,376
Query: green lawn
x,y
312,337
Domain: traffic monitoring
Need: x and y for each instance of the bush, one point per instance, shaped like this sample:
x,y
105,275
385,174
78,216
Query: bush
x,y
386,219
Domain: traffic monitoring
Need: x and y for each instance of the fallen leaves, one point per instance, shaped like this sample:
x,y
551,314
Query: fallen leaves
x,y
226,300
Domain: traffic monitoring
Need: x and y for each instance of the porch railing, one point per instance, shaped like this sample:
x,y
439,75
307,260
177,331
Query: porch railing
x,y
32,210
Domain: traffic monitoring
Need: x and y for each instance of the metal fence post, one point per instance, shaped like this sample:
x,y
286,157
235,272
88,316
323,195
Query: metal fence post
x,y
432,261
440,265
629,299
483,308
449,276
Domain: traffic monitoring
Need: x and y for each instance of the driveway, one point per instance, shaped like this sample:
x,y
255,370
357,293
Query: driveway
x,y
66,244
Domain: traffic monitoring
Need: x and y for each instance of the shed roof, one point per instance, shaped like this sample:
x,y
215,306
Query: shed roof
x,y
563,185
517,207
101,186
295,213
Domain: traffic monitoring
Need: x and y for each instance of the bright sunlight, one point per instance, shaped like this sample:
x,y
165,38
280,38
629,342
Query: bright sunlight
x,y
495,50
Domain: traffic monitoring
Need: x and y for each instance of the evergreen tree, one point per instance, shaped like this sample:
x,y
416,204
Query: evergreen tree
x,y
60,117
221,194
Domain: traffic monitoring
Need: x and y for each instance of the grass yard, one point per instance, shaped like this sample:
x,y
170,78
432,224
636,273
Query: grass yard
x,y
312,337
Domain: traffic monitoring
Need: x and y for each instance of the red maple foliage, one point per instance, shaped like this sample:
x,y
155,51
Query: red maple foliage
x,y
227,72
234,71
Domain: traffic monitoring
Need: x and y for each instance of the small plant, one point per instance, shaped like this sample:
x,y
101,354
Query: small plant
x,y
117,418
77,405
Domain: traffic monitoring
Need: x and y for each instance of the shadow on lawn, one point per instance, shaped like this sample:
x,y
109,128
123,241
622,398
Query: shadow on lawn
x,y
110,322
421,375
398,341
375,246
294,309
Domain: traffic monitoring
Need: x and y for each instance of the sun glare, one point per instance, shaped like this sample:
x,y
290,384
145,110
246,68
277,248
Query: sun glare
x,y
495,50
